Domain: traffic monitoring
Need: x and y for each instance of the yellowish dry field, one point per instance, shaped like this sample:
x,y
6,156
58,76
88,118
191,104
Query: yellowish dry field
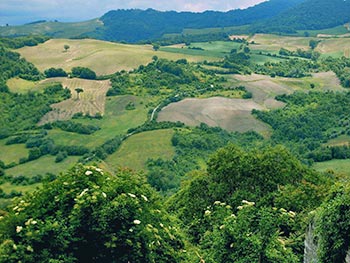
x,y
101,56
92,100
266,42
266,88
336,46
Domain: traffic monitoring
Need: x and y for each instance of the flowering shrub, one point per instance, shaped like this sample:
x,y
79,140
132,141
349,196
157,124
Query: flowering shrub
x,y
88,216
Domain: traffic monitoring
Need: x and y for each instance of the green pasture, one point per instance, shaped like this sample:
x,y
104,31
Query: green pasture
x,y
43,165
12,153
8,187
339,141
340,167
53,29
338,30
116,121
137,149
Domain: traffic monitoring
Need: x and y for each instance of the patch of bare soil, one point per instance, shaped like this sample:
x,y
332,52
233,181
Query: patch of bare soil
x,y
229,114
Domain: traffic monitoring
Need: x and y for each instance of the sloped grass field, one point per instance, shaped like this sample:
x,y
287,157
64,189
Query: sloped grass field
x,y
19,85
137,149
340,167
43,165
54,29
101,56
116,121
12,153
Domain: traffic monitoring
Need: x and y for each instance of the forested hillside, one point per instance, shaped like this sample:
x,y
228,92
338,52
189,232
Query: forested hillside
x,y
277,16
308,15
144,25
136,25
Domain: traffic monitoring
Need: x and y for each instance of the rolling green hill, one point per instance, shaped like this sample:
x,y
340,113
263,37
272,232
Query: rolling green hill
x,y
53,29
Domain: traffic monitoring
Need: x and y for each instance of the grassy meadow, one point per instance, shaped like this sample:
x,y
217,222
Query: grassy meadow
x,y
53,29
116,121
12,153
340,167
137,149
43,165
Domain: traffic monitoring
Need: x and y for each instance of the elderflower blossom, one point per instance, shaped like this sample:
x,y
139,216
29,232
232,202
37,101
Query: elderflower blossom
x,y
83,192
207,212
132,195
30,249
104,194
291,214
248,203
19,229
144,198
88,173
137,222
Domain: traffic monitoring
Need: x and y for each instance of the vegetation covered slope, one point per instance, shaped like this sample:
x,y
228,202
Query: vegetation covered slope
x,y
310,14
89,216
136,25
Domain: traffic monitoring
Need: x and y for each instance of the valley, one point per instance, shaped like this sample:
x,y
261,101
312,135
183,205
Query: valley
x,y
159,136
211,107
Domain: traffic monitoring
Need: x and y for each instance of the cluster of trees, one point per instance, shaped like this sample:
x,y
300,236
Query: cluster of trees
x,y
77,72
166,175
308,121
291,68
250,206
12,65
55,72
39,145
23,111
19,42
322,154
341,67
162,75
309,54
83,73
72,126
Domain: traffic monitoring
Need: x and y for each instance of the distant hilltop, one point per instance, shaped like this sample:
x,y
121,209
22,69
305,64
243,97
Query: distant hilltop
x,y
134,25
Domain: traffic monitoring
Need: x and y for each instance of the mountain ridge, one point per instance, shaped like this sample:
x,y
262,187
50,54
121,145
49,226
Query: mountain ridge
x,y
136,25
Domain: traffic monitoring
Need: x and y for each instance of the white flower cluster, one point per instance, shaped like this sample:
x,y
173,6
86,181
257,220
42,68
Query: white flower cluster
x,y
245,204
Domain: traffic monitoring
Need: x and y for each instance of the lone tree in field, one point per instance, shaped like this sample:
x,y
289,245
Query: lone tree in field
x,y
66,47
156,47
78,90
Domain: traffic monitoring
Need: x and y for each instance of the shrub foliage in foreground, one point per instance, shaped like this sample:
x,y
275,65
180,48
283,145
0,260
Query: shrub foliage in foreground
x,y
87,216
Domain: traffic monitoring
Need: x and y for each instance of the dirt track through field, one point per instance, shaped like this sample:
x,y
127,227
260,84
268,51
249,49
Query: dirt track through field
x,y
91,101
